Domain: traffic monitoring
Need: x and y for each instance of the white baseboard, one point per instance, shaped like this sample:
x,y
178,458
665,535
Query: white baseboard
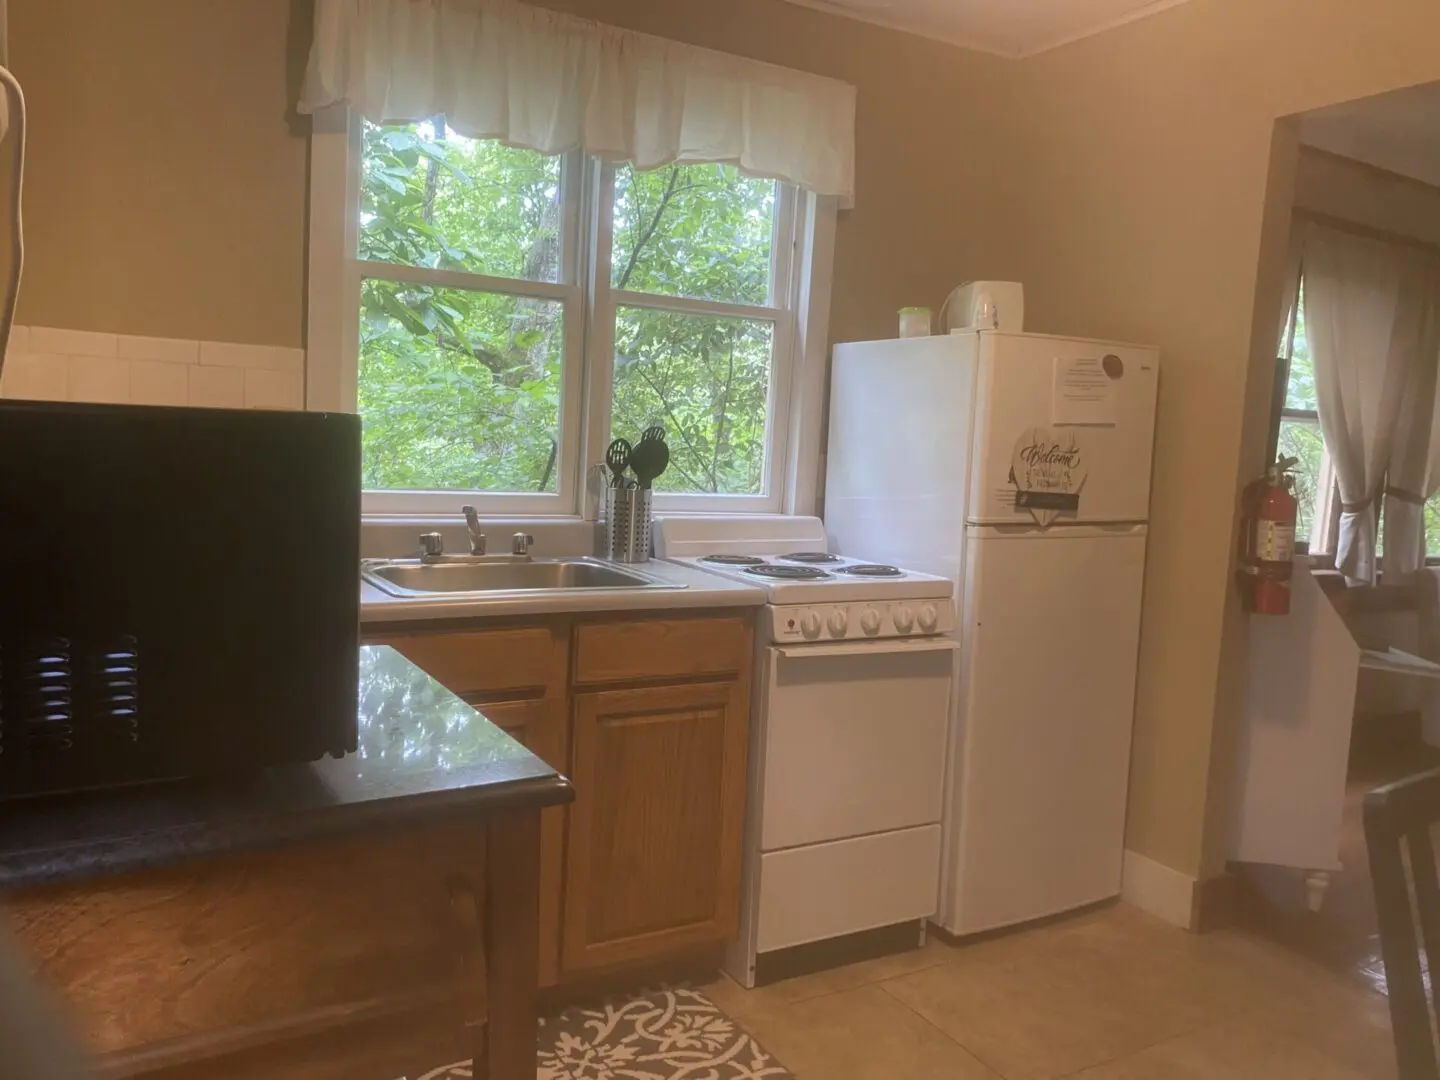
x,y
1156,888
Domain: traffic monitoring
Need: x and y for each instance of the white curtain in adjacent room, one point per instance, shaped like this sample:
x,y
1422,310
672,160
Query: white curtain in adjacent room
x,y
550,82
1409,480
1363,301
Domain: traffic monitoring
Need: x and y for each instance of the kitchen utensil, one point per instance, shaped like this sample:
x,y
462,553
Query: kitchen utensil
x,y
649,460
617,457
626,529
654,433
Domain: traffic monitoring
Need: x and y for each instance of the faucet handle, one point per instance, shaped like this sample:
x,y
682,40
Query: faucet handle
x,y
472,525
432,545
520,543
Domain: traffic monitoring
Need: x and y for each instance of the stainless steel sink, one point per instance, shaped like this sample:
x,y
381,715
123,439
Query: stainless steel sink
x,y
461,576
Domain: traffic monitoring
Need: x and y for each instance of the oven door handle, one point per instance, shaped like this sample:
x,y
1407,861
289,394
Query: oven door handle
x,y
867,648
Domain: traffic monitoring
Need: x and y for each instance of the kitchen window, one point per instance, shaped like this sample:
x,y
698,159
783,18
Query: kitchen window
x,y
513,311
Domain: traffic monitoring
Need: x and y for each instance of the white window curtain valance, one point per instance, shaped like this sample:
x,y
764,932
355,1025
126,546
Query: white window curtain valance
x,y
538,79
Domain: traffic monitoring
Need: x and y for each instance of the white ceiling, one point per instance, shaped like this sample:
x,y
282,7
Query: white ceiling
x,y
1007,27
1399,131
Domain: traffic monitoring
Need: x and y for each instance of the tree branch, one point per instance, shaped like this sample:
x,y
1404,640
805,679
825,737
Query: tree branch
x,y
432,177
649,230
720,420
674,426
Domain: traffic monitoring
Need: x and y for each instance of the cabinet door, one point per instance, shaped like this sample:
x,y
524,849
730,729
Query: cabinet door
x,y
654,846
540,727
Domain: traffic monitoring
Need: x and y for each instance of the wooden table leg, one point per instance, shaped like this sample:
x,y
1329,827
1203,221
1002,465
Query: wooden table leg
x,y
512,939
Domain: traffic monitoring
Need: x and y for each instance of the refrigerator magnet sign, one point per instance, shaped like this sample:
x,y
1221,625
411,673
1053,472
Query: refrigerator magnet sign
x,y
1048,469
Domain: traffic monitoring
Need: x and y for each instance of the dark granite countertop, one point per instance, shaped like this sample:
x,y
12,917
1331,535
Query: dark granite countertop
x,y
423,755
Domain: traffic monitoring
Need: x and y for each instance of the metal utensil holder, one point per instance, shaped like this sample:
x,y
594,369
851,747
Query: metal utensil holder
x,y
627,525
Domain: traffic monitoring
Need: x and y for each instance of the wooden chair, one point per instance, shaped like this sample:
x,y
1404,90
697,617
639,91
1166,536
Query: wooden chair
x,y
1398,818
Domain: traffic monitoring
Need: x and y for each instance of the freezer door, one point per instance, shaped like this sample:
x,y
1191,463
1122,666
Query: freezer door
x,y
1064,430
1036,798
900,419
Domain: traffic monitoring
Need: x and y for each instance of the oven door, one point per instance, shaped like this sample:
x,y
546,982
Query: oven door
x,y
853,738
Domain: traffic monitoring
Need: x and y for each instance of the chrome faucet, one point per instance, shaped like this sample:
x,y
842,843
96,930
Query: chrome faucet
x,y
520,545
472,524
432,547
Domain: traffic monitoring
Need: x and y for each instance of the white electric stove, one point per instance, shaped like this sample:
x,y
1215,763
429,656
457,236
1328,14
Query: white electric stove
x,y
849,728
814,594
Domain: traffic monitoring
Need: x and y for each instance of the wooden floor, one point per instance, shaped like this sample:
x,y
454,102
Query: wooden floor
x,y
1342,935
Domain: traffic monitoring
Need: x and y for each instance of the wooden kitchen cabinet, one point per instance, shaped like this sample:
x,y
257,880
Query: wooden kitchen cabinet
x,y
490,665
653,865
540,726
649,717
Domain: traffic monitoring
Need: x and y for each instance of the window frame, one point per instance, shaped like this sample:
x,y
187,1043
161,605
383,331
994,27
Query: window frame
x,y
1325,513
801,261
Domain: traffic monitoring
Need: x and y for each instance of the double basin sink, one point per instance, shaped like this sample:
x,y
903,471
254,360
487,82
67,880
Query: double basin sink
x,y
488,576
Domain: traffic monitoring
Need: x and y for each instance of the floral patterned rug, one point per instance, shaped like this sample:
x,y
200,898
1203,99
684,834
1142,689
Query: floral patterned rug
x,y
671,1034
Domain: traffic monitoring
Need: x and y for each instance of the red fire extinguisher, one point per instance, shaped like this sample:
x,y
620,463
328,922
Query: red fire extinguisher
x,y
1267,540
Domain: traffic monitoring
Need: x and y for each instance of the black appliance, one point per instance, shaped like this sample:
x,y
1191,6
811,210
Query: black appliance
x,y
179,591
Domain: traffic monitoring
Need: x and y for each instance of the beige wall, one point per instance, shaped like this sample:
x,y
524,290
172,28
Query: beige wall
x,y
1140,163
1326,183
166,190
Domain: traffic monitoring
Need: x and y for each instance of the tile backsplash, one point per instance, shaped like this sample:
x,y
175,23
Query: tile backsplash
x,y
48,364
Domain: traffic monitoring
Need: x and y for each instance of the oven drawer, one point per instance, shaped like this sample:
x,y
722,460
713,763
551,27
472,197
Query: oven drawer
x,y
853,738
819,892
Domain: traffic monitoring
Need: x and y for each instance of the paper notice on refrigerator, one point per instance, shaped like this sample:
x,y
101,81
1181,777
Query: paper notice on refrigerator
x,y
1086,390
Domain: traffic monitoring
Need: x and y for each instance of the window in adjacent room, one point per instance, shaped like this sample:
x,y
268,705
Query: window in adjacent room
x,y
1300,438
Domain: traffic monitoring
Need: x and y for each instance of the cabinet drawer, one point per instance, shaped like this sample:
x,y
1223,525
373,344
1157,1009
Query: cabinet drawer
x,y
816,892
487,661
660,648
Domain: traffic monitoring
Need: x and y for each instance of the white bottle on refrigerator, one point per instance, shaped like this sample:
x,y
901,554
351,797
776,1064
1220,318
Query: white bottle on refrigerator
x,y
1019,466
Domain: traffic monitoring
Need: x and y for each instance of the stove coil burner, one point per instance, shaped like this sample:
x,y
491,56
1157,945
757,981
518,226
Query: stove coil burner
x,y
788,573
733,560
872,570
811,557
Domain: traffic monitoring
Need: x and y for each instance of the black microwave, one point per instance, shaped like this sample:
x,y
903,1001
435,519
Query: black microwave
x,y
179,591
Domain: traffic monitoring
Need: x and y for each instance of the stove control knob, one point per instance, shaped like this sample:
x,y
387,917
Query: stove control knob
x,y
810,624
904,619
837,623
870,621
928,618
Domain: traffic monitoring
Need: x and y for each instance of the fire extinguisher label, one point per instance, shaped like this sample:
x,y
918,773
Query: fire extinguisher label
x,y
1274,541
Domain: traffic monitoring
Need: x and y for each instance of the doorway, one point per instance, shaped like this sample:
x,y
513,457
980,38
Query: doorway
x,y
1355,405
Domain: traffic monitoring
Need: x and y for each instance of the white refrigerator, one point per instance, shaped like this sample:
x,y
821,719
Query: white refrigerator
x,y
1018,465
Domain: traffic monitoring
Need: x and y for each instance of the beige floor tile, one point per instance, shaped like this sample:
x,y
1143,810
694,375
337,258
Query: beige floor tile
x,y
857,1034
1291,992
1113,991
1071,995
1232,1050
933,954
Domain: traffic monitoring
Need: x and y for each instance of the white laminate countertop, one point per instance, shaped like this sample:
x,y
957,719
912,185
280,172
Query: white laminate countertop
x,y
701,590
